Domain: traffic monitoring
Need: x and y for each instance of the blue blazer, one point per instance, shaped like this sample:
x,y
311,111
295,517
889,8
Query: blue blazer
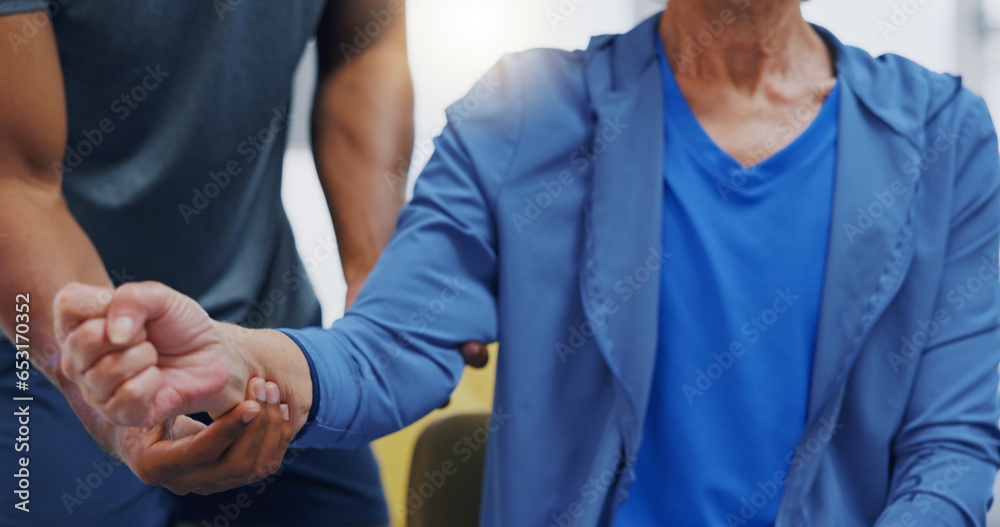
x,y
545,194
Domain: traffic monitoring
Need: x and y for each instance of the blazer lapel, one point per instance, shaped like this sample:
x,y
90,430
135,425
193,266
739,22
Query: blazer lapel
x,y
868,250
624,214
870,246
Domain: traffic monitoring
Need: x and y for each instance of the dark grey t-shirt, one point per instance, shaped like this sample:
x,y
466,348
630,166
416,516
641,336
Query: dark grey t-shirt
x,y
178,117
177,125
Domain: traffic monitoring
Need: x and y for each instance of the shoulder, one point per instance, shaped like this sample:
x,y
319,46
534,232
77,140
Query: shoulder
x,y
522,93
956,151
536,76
910,97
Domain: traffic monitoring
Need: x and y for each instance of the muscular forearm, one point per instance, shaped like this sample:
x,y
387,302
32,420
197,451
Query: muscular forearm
x,y
41,245
362,140
42,250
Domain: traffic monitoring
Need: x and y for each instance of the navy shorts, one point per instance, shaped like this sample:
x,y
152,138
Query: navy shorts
x,y
72,482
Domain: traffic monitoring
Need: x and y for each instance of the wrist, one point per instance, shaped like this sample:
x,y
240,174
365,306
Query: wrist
x,y
270,355
242,366
284,363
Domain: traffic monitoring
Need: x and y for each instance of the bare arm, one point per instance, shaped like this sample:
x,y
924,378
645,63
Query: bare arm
x,y
362,127
42,248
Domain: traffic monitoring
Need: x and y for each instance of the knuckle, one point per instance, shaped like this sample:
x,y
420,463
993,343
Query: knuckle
x,y
145,352
109,362
66,364
127,391
71,345
90,397
128,289
143,289
91,333
63,298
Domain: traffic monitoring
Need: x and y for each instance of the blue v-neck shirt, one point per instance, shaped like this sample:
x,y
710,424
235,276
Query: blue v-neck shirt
x,y
739,308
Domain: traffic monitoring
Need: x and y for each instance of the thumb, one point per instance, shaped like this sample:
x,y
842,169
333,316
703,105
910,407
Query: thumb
x,y
193,445
132,305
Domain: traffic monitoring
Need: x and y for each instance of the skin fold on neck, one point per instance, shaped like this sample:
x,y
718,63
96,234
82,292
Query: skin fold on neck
x,y
744,66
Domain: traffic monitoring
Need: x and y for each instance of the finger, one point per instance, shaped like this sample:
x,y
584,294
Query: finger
x,y
133,304
131,402
236,466
76,303
175,462
113,369
475,354
183,426
272,449
286,435
84,345
252,457
196,460
87,344
270,452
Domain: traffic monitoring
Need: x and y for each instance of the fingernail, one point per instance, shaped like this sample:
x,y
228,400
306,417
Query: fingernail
x,y
250,414
120,330
260,392
284,412
272,393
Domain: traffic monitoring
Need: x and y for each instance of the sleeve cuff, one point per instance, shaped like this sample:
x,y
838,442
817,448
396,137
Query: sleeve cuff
x,y
336,396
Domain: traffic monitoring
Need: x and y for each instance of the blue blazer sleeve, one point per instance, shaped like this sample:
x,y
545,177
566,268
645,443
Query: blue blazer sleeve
x,y
394,356
945,455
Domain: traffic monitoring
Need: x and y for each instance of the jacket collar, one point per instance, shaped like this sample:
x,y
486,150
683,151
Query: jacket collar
x,y
875,82
877,85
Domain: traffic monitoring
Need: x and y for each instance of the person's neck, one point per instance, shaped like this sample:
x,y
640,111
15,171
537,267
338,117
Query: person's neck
x,y
740,42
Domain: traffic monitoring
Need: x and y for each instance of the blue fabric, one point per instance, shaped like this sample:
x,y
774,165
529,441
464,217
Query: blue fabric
x,y
739,308
532,221
178,118
71,480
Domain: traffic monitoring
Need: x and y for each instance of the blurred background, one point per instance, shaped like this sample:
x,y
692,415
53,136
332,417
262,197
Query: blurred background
x,y
453,42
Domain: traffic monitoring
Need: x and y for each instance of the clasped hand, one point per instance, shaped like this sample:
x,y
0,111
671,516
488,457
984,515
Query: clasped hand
x,y
145,356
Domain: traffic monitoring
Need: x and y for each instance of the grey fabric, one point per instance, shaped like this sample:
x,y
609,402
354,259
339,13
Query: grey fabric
x,y
177,128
